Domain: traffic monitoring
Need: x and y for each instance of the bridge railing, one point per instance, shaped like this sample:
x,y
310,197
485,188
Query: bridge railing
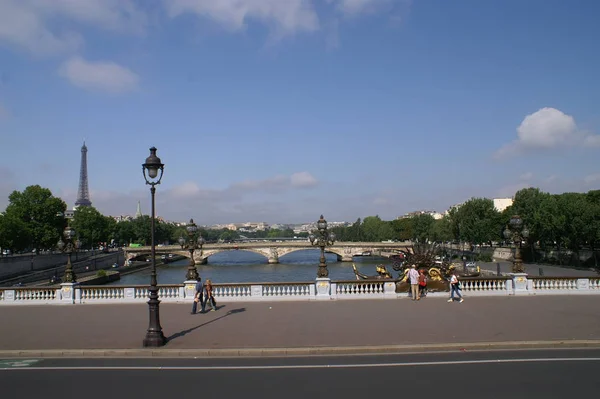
x,y
310,290
486,286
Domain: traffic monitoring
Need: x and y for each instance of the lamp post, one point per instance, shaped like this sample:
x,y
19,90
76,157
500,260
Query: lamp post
x,y
517,232
322,239
68,246
153,171
192,244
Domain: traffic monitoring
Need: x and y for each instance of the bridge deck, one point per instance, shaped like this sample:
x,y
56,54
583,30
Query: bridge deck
x,y
305,324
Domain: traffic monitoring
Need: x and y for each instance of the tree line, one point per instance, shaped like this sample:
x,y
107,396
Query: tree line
x,y
33,220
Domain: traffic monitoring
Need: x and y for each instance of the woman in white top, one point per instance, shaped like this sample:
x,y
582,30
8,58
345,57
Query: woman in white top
x,y
454,287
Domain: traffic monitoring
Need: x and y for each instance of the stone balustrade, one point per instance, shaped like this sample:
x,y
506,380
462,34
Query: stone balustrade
x,y
516,284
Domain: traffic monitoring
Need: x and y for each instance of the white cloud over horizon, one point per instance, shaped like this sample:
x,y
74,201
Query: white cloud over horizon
x,y
286,17
99,76
31,24
28,24
546,129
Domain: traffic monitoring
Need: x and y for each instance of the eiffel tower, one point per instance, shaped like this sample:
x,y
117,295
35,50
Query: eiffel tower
x,y
83,192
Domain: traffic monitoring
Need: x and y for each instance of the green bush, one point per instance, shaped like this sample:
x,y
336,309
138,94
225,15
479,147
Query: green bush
x,y
101,273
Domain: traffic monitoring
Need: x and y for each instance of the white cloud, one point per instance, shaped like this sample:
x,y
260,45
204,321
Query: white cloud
x,y
381,201
186,190
99,76
592,140
547,128
595,178
551,178
509,190
34,25
303,179
286,16
353,7
526,176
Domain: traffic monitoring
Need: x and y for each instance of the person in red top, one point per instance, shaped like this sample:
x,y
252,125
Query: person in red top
x,y
422,284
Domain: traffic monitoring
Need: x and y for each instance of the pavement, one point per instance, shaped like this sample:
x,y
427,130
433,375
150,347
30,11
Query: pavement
x,y
297,328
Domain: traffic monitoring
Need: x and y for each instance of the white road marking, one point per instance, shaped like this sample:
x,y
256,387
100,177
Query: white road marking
x,y
312,366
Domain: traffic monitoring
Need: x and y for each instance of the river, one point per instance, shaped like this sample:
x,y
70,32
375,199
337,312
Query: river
x,y
245,266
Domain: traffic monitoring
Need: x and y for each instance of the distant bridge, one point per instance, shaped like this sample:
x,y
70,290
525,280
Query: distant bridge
x,y
272,250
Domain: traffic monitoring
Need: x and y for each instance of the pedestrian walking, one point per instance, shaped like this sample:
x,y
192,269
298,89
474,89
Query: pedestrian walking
x,y
198,297
413,275
422,284
208,291
454,287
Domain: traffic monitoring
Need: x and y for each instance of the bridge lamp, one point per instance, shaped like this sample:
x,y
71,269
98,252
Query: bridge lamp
x,y
153,172
192,245
68,246
516,231
181,242
322,238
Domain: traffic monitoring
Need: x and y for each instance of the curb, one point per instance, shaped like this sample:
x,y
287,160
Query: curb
x,y
308,351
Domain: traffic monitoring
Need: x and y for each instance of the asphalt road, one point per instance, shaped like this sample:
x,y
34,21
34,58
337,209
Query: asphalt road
x,y
496,374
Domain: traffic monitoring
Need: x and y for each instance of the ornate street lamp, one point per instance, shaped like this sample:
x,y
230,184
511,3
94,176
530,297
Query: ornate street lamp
x,y
153,171
322,238
516,231
192,244
68,246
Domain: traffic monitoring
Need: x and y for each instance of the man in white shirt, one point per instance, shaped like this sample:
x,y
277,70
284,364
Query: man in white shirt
x,y
413,275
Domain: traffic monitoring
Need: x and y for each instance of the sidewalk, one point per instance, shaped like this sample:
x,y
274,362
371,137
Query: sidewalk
x,y
303,326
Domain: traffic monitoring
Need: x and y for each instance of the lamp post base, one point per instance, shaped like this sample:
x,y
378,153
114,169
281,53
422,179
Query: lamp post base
x,y
192,273
322,272
154,339
517,266
154,335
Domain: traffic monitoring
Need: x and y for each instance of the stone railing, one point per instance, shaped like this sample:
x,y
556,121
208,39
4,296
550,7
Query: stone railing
x,y
516,284
486,286
563,285
363,289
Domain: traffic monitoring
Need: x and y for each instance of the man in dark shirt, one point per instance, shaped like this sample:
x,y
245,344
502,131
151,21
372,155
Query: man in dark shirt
x,y
199,297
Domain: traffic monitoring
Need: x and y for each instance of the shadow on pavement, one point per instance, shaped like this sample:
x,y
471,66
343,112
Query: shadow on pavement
x,y
189,330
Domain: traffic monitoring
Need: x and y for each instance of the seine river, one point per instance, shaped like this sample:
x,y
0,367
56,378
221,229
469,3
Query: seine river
x,y
245,266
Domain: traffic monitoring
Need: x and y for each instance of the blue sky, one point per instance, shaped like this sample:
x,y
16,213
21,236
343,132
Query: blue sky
x,y
280,110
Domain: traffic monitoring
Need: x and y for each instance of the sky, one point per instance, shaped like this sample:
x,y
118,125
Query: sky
x,y
282,110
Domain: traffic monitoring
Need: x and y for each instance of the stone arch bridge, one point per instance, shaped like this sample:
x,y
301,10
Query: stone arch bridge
x,y
272,250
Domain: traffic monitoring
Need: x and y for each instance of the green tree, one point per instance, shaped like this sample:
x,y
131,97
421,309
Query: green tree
x,y
479,221
371,227
14,233
422,227
442,230
228,235
526,204
550,222
124,234
141,228
592,231
574,207
403,228
91,226
41,212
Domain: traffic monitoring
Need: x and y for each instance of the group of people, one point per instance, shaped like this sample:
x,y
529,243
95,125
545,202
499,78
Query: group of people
x,y
204,295
418,284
